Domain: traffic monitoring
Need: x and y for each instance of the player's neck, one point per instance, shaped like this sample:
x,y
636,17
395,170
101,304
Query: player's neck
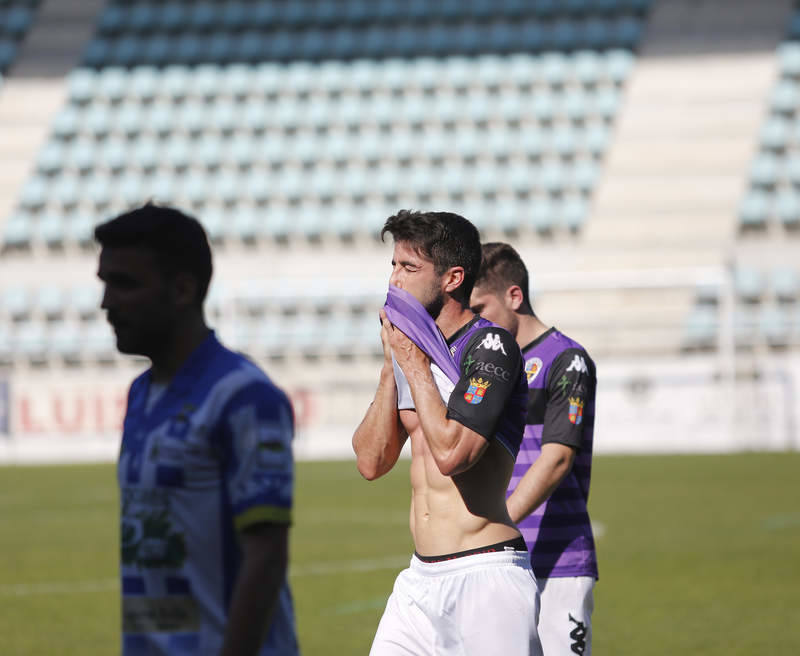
x,y
529,329
452,317
177,350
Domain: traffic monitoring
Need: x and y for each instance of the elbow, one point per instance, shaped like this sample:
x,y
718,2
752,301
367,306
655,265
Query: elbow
x,y
369,471
451,464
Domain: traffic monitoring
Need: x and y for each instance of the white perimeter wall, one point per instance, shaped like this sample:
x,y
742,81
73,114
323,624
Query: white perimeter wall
x,y
675,405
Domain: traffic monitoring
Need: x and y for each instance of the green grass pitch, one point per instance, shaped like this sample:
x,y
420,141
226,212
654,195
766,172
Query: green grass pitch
x,y
698,555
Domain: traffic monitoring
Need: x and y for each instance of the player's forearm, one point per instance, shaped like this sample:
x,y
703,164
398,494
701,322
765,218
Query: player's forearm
x,y
538,483
254,600
379,438
443,435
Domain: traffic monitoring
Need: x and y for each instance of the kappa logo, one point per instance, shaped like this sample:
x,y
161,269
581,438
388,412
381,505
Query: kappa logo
x,y
578,364
532,368
578,635
492,342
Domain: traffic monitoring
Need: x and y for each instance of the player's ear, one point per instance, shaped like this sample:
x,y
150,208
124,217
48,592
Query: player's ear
x,y
184,288
453,279
514,297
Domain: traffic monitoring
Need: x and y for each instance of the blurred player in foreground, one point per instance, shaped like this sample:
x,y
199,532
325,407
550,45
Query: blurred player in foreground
x,y
205,469
457,389
550,486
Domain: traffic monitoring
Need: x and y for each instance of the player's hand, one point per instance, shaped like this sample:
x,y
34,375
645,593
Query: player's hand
x,y
386,328
408,355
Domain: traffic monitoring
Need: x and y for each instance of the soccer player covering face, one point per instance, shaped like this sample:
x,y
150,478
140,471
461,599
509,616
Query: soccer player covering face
x,y
550,486
469,588
205,467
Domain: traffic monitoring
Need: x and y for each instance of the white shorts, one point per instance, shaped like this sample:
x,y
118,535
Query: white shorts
x,y
475,605
565,616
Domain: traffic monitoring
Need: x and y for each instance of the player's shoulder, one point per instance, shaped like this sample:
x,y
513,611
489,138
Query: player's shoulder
x,y
237,375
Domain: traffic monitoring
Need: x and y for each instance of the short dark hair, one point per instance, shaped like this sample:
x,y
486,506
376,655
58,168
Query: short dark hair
x,y
178,240
447,239
502,267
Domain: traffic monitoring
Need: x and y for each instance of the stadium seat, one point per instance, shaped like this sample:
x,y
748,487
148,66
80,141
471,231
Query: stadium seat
x,y
701,326
80,229
754,210
17,303
789,57
85,300
787,207
18,232
50,302
785,97
573,213
785,284
764,170
66,122
748,284
34,193
246,224
66,340
51,230
32,341
98,191
775,325
51,158
100,341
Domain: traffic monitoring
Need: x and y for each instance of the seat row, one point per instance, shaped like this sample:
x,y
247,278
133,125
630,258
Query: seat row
x,y
176,16
16,18
304,80
771,326
247,224
373,42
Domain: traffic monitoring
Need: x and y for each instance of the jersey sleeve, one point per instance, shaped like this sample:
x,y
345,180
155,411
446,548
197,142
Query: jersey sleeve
x,y
571,385
490,369
259,467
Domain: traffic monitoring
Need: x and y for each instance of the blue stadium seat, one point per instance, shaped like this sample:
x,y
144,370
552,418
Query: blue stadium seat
x,y
748,284
143,84
98,53
145,154
66,341
51,158
18,232
618,64
52,230
573,213
789,58
50,301
700,328
764,170
66,123
754,210
596,33
17,303
586,66
80,229
81,85
775,325
176,82
131,190
97,120
787,207
584,176
775,134
33,342
257,187
98,191
785,284
34,193
246,224
785,97
542,215
85,300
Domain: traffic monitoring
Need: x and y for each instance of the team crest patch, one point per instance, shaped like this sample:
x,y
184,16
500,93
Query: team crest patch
x,y
476,390
575,410
532,368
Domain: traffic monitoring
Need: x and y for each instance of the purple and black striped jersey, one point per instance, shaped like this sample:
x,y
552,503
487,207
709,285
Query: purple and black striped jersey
x,y
562,382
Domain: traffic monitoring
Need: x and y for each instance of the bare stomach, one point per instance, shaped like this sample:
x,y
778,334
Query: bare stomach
x,y
465,511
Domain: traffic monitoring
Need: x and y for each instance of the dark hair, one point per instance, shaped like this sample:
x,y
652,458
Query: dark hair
x,y
445,238
502,267
178,240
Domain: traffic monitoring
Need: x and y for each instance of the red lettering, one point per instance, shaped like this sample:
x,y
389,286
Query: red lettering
x,y
77,423
27,422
